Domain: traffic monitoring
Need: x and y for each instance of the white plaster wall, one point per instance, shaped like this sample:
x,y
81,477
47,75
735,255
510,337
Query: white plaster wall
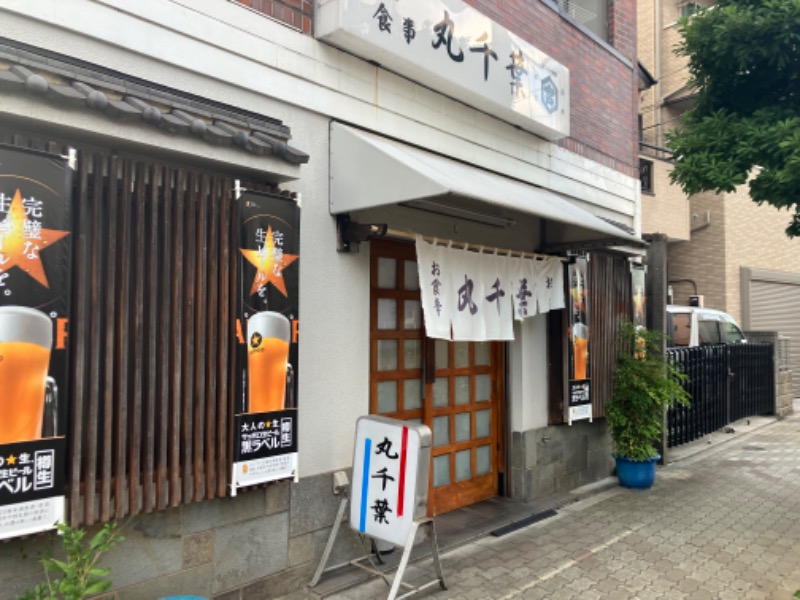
x,y
528,375
334,333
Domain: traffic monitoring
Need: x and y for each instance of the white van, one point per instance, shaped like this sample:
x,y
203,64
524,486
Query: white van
x,y
690,326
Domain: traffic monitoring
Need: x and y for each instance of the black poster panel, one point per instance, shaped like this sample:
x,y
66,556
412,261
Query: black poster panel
x,y
268,318
268,330
265,438
579,389
579,319
35,287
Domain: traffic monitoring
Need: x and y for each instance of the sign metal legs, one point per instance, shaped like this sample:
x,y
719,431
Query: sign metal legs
x,y
430,531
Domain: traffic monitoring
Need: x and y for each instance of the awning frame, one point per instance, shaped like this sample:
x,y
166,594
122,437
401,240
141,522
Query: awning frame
x,y
369,171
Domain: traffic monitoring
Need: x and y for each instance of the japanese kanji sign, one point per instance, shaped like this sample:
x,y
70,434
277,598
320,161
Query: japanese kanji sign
x,y
454,49
268,329
474,296
35,250
579,401
390,477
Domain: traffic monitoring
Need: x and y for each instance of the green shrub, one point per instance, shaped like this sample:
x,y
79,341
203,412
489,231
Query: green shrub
x,y
645,385
79,575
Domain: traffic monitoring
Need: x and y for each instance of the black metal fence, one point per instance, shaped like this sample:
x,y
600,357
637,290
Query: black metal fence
x,y
726,383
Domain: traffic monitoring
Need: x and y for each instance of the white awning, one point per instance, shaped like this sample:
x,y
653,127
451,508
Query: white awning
x,y
369,171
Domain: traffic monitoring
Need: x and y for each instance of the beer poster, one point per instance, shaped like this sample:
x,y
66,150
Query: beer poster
x,y
35,250
579,391
638,288
268,327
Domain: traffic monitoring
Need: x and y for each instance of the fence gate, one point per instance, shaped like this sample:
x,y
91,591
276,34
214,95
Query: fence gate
x,y
726,383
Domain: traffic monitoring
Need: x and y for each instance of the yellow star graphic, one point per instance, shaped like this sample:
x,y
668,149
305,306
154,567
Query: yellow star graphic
x,y
268,270
12,460
21,244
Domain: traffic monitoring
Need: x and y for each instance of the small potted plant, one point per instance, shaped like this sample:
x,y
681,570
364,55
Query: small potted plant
x,y
646,383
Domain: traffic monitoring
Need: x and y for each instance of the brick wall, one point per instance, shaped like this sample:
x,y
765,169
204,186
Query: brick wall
x,y
604,95
666,210
703,259
741,234
604,89
755,239
295,13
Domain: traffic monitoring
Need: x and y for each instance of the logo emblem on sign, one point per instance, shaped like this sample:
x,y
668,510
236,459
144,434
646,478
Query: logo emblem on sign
x,y
255,340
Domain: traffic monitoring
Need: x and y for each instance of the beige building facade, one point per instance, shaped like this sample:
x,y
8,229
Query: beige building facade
x,y
723,247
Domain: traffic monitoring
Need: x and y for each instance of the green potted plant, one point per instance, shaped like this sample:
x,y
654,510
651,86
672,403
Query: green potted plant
x,y
646,383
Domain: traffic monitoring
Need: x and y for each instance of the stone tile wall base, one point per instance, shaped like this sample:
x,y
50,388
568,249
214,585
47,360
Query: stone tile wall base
x,y
558,459
264,543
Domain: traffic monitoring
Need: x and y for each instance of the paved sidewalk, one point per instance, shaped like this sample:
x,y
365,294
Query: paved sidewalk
x,y
724,523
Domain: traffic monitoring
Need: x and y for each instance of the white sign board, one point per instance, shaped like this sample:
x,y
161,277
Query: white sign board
x,y
27,518
390,478
454,49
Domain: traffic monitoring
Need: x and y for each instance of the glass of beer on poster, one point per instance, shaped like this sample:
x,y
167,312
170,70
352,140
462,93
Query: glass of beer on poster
x,y
26,338
580,346
268,368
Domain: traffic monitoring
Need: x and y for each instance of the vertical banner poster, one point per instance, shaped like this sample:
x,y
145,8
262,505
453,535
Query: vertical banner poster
x,y
268,329
35,250
638,289
579,400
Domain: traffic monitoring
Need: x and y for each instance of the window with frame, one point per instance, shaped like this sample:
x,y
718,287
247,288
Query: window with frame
x,y
646,175
687,9
592,14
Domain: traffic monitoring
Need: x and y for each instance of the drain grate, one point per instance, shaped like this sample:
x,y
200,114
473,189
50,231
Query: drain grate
x,y
540,516
753,448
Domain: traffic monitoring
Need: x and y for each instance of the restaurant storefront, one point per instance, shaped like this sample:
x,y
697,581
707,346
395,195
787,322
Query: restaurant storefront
x,y
169,264
459,381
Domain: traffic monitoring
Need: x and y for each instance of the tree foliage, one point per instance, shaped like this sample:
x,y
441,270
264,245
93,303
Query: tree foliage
x,y
744,65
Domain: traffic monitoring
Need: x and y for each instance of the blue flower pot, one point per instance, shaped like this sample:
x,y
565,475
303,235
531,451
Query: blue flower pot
x,y
636,474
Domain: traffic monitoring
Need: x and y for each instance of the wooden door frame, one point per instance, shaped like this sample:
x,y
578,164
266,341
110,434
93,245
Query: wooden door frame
x,y
398,249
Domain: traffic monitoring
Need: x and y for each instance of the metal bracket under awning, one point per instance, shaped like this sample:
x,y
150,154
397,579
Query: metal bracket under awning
x,y
369,171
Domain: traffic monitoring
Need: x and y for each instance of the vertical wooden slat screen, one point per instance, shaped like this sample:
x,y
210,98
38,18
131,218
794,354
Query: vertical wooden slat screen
x,y
94,323
165,301
198,207
150,309
122,363
177,331
109,276
212,323
137,352
151,334
189,338
610,304
79,344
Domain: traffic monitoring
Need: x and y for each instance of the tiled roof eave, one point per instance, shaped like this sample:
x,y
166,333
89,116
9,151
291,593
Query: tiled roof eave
x,y
60,82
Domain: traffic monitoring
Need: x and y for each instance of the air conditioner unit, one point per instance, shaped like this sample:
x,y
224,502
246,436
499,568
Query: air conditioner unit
x,y
696,301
